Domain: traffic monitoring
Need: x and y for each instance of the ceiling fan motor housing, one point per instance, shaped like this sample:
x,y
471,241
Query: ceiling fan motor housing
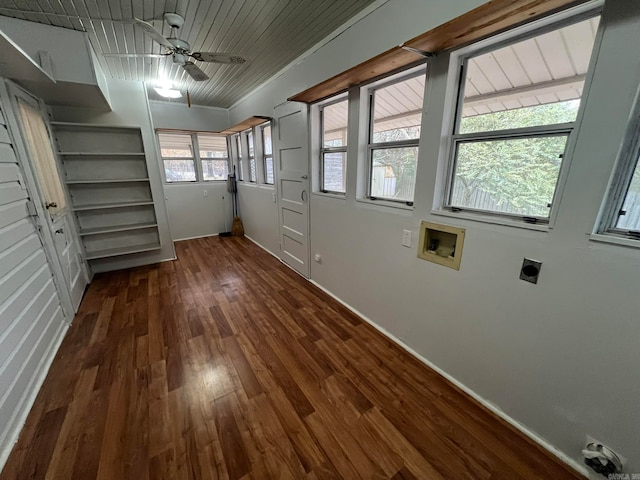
x,y
174,20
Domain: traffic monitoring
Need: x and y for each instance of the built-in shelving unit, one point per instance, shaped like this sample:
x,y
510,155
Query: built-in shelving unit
x,y
105,171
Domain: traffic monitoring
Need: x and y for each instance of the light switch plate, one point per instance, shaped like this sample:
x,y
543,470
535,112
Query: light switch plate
x,y
406,238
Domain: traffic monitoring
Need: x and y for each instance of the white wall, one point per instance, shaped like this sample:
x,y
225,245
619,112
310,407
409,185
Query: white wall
x,y
259,214
181,117
560,357
191,213
130,108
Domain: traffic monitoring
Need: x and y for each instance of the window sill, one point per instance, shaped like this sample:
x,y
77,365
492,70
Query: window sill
x,y
386,204
614,240
474,217
337,196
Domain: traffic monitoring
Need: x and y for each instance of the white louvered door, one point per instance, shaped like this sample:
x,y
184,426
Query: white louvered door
x,y
32,321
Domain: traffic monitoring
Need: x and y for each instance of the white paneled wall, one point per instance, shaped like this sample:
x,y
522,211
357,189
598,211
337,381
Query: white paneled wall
x,y
31,319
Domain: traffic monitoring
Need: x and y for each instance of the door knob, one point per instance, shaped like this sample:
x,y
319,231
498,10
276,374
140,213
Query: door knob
x,y
60,231
303,196
304,177
49,205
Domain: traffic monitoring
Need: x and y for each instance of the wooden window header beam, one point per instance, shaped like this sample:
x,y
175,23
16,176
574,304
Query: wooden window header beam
x,y
493,17
246,124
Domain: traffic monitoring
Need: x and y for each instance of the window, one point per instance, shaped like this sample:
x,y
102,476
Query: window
x,y
214,156
253,176
622,213
240,167
333,146
516,110
186,154
267,152
178,157
42,158
395,120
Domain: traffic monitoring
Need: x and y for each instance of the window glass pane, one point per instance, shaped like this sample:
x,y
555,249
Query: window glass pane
x,y
250,143
631,219
238,147
42,156
180,170
266,140
175,145
393,173
537,81
516,176
212,146
397,111
334,166
215,169
252,170
334,124
268,170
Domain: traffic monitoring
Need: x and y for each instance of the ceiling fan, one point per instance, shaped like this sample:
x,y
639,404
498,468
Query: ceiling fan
x,y
178,49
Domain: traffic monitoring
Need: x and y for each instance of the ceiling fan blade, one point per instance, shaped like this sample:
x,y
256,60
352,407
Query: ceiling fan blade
x,y
194,72
217,57
152,32
153,55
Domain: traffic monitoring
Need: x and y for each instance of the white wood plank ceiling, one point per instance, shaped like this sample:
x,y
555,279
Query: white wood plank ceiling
x,y
268,33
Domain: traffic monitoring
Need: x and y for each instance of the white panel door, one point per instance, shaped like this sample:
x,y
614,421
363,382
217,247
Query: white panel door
x,y
291,146
60,238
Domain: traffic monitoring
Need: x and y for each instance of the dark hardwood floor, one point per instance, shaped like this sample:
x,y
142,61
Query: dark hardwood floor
x,y
226,364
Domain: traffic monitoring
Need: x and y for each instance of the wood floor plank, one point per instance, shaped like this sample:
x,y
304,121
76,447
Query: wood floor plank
x,y
227,365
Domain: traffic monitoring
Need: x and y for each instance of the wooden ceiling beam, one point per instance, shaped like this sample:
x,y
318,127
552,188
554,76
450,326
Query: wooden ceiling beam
x,y
493,17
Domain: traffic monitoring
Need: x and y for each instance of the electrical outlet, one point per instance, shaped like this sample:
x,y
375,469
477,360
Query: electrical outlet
x,y
317,258
530,270
273,197
406,238
205,193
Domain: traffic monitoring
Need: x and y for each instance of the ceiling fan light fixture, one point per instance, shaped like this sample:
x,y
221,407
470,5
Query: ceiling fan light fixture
x,y
168,92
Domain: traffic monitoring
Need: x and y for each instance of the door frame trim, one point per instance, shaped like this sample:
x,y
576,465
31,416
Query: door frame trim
x,y
9,94
275,122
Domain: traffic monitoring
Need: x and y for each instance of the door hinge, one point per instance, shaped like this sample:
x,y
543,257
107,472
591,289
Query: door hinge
x,y
31,208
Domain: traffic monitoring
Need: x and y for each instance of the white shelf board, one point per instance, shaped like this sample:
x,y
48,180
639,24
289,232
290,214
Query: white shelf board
x,y
101,154
119,180
95,126
100,206
116,228
115,252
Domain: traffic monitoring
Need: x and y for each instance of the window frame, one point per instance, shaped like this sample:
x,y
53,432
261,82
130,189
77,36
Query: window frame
x,y
627,164
413,72
266,155
323,150
197,160
201,159
454,101
250,158
236,140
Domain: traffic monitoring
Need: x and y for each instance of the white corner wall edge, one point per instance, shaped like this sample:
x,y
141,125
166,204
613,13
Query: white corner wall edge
x,y
31,393
493,408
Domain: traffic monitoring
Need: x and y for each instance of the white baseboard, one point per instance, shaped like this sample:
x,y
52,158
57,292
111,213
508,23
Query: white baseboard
x,y
193,238
263,247
490,406
31,393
